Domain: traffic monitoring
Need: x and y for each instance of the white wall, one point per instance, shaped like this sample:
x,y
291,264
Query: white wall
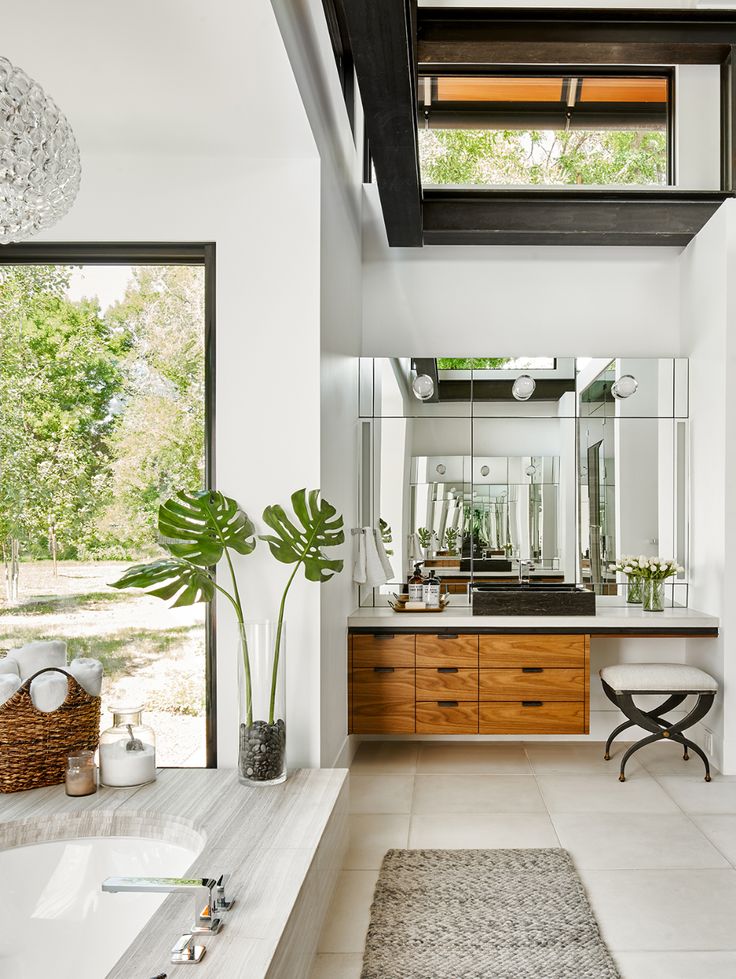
x,y
708,315
468,300
698,127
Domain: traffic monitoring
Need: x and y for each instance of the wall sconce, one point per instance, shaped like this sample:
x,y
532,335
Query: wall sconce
x,y
530,470
624,387
523,387
441,469
484,470
423,387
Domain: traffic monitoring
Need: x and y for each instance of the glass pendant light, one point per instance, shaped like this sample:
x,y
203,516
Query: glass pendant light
x,y
624,387
39,157
423,387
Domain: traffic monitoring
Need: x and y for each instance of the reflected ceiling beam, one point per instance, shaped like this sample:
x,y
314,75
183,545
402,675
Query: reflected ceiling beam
x,y
483,36
382,36
566,216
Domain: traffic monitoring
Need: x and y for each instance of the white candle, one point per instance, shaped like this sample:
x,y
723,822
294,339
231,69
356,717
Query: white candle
x,y
119,767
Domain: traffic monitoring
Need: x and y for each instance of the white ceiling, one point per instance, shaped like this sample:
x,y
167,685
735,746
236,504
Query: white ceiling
x,y
193,77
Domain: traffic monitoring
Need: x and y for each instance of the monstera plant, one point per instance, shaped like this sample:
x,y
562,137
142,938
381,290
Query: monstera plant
x,y
198,530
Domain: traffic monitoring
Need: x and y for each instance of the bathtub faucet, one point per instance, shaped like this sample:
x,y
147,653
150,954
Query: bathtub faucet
x,y
208,893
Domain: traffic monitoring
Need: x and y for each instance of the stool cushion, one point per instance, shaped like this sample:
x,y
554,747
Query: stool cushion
x,y
659,677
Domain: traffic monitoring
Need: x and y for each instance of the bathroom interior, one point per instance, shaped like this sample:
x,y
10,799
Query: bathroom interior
x,y
414,527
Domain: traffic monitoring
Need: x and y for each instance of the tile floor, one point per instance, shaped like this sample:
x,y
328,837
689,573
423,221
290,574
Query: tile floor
x,y
657,854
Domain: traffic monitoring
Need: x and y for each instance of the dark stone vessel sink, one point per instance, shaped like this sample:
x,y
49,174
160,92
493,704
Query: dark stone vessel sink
x,y
486,564
541,599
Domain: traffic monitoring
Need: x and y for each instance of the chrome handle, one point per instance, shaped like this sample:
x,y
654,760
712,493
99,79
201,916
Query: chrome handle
x,y
220,902
185,952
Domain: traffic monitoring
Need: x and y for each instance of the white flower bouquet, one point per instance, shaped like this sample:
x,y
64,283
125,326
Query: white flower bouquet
x,y
648,568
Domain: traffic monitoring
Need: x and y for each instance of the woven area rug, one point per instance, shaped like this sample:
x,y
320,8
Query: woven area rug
x,y
483,914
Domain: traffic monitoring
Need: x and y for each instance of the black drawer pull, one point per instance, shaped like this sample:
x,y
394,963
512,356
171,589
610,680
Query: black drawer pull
x,y
447,635
532,703
447,703
532,669
447,669
383,669
383,635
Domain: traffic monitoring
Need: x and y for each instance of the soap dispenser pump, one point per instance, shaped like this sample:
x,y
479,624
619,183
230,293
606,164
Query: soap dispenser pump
x,y
416,584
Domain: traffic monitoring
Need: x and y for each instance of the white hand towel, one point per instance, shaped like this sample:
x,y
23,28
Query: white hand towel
x,y
49,691
9,666
9,684
88,673
35,656
374,573
359,562
383,556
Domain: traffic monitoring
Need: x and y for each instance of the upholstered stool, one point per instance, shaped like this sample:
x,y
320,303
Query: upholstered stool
x,y
626,680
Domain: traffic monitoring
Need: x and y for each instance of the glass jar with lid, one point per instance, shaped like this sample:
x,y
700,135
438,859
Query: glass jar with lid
x,y
127,749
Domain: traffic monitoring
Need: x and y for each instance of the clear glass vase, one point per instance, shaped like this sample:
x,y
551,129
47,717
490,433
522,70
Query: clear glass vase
x,y
653,600
634,589
262,697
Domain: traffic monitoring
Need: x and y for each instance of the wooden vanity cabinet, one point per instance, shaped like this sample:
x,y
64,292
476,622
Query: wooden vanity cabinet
x,y
449,683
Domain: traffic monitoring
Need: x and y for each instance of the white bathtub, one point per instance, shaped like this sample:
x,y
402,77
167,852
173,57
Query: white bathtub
x,y
55,919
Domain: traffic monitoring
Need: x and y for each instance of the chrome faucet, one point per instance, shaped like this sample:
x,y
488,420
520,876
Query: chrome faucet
x,y
208,893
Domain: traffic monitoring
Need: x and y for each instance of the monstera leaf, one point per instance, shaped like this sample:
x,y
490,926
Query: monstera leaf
x,y
320,528
199,526
170,578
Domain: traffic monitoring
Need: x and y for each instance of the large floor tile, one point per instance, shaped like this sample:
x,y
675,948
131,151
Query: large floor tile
x,y
636,841
571,758
468,756
482,831
386,793
346,924
476,793
371,835
693,794
333,966
385,756
604,793
721,831
676,965
647,910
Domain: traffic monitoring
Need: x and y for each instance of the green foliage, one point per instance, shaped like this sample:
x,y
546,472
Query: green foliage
x,y
495,157
199,526
425,536
59,369
386,535
320,527
470,363
451,536
170,578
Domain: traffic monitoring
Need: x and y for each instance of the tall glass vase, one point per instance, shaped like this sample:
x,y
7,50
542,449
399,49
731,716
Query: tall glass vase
x,y
262,695
634,589
653,595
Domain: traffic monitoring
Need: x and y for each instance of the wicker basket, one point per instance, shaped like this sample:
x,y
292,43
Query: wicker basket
x,y
34,745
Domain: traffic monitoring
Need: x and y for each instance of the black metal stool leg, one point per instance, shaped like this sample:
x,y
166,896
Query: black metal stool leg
x,y
674,700
635,747
613,735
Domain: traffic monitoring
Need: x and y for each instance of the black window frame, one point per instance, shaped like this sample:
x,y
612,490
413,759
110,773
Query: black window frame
x,y
561,70
156,253
340,39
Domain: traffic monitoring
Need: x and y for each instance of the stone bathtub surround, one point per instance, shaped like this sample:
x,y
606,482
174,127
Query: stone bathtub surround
x,y
282,845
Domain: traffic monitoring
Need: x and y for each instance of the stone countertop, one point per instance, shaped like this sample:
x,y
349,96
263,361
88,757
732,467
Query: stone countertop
x,y
267,839
609,620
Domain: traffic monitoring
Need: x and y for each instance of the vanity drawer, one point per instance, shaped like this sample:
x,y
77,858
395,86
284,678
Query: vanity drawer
x,y
383,649
532,717
447,682
521,651
447,717
383,700
541,684
447,649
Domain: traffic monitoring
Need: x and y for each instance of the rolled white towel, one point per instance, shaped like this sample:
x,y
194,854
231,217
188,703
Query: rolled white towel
x,y
359,557
383,556
35,656
375,573
49,691
9,666
9,684
88,673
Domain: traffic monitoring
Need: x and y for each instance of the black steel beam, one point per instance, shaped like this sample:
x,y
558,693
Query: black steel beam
x,y
382,36
581,36
566,216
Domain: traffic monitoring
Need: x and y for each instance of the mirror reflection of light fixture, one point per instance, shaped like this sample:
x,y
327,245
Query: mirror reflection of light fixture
x,y
530,470
624,387
523,387
441,469
484,470
423,387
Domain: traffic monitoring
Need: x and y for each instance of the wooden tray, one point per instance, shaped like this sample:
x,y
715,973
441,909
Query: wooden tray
x,y
398,608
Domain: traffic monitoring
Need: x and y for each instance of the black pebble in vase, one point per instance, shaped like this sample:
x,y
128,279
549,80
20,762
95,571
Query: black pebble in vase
x,y
263,751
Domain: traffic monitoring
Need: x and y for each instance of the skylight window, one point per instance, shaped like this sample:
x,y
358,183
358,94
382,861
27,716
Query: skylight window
x,y
545,129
